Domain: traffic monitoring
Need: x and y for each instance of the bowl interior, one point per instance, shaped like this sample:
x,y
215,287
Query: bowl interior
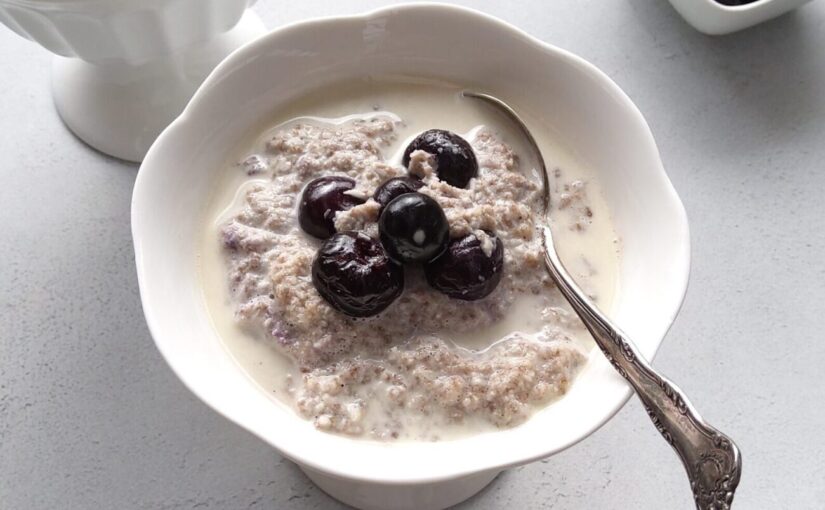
x,y
588,111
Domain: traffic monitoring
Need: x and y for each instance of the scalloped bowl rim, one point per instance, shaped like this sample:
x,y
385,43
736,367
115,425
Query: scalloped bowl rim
x,y
328,462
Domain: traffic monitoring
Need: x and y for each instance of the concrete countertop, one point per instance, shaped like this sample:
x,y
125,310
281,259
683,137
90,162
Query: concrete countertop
x,y
91,417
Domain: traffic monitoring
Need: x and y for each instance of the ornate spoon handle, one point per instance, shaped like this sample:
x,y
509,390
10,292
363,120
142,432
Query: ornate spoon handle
x,y
711,458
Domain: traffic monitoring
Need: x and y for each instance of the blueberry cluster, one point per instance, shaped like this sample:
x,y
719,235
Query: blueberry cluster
x,y
361,276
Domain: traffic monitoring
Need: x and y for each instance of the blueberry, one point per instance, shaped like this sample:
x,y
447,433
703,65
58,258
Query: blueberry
x,y
456,162
352,273
394,188
413,228
321,199
465,270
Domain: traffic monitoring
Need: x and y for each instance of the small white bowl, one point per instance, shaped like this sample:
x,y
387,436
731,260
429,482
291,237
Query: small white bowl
x,y
121,31
594,118
714,18
126,68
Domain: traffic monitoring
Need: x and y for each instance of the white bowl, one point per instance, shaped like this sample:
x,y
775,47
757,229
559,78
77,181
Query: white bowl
x,y
592,115
711,17
126,68
124,31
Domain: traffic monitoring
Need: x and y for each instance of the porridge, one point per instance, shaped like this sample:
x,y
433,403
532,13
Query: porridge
x,y
374,262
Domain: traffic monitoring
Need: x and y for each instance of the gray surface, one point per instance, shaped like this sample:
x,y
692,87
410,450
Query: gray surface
x,y
91,417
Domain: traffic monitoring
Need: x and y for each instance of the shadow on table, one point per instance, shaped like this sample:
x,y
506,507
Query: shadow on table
x,y
765,82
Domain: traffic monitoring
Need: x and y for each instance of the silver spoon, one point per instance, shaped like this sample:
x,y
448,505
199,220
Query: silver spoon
x,y
711,458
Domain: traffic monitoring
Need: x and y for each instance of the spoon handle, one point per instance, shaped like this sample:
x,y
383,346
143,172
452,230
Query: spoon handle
x,y
711,458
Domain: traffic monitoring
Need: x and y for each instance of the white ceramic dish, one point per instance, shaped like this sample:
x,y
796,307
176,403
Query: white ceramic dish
x,y
126,68
711,17
592,116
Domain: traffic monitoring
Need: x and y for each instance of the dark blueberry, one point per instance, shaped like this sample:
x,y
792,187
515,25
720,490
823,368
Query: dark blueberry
x,y
321,199
413,228
395,188
456,162
353,273
465,271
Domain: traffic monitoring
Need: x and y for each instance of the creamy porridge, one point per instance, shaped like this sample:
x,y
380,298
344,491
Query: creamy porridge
x,y
428,362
